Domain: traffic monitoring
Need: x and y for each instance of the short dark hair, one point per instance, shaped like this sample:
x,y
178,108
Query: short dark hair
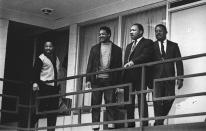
x,y
107,29
163,27
140,27
51,41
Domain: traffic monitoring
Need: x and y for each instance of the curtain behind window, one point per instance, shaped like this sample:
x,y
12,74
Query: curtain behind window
x,y
148,19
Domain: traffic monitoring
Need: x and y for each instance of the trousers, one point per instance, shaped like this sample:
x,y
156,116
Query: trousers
x,y
47,104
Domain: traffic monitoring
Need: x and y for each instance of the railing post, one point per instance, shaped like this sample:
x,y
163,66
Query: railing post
x,y
80,110
142,97
30,112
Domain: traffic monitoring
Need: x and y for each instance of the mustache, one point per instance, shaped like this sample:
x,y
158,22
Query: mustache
x,y
158,35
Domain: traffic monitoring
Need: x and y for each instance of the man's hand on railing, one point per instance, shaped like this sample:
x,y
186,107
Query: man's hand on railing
x,y
179,83
35,87
128,64
88,85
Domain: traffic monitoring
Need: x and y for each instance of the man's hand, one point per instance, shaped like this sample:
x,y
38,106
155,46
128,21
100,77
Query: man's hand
x,y
88,85
179,84
35,87
130,63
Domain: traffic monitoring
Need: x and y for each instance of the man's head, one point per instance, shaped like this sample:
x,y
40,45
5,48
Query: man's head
x,y
48,48
136,31
160,32
104,34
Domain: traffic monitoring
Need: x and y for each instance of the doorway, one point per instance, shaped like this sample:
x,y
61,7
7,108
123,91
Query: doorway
x,y
18,67
187,27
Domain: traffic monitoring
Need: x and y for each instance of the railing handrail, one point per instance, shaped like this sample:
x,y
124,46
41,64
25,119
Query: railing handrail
x,y
135,66
112,70
15,81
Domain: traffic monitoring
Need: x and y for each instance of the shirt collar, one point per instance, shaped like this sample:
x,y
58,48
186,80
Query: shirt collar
x,y
137,40
164,42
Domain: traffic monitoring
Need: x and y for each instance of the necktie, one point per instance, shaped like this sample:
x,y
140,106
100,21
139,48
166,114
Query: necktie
x,y
133,46
132,49
162,49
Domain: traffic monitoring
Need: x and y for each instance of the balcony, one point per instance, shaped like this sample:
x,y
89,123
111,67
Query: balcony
x,y
75,118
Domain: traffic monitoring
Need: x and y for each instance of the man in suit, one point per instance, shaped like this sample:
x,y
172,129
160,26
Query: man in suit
x,y
165,49
103,56
137,52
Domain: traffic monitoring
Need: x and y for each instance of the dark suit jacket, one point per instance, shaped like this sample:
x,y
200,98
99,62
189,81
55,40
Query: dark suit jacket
x,y
94,62
142,53
168,69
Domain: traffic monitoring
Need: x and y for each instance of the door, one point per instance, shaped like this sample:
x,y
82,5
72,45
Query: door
x,y
188,30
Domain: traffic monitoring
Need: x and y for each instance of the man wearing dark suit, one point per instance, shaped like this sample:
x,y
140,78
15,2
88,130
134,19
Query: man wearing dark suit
x,y
103,56
165,49
137,52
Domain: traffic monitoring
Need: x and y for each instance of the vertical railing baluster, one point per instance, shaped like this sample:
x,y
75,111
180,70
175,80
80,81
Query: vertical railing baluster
x,y
30,106
142,97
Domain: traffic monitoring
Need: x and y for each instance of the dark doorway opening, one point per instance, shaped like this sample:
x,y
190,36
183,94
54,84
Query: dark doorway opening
x,y
18,66
24,44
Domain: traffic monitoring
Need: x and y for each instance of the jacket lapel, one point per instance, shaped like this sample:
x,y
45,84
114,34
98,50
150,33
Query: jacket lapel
x,y
157,49
112,54
168,49
98,53
127,53
137,46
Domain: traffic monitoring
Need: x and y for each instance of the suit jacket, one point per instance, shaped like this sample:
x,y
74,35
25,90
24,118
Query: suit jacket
x,y
168,69
142,53
94,62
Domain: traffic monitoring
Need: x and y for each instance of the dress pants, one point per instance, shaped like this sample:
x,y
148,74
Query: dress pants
x,y
131,107
47,105
109,97
162,107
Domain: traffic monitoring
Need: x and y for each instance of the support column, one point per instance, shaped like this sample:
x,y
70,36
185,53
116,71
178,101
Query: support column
x,y
120,31
72,60
3,40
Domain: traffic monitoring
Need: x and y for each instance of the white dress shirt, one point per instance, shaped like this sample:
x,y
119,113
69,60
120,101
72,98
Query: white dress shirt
x,y
165,45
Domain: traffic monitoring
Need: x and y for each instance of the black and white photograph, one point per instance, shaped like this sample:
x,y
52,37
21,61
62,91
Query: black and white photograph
x,y
102,65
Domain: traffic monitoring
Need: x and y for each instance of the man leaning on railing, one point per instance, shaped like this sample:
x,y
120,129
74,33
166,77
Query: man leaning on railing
x,y
137,52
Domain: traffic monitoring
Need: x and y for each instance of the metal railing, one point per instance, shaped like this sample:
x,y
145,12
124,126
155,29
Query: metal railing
x,y
141,93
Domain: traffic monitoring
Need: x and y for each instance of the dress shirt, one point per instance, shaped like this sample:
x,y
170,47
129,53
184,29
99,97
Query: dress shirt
x,y
165,45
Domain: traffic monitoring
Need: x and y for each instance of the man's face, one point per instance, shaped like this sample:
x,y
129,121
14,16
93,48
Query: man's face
x,y
103,36
160,33
135,33
48,48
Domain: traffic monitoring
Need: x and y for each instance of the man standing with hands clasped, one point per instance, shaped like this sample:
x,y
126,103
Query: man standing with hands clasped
x,y
103,56
165,49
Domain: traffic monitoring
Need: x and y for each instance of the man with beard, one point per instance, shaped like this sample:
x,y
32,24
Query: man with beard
x,y
103,56
137,52
46,68
165,49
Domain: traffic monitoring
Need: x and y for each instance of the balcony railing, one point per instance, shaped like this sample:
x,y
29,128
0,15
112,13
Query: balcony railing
x,y
128,85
